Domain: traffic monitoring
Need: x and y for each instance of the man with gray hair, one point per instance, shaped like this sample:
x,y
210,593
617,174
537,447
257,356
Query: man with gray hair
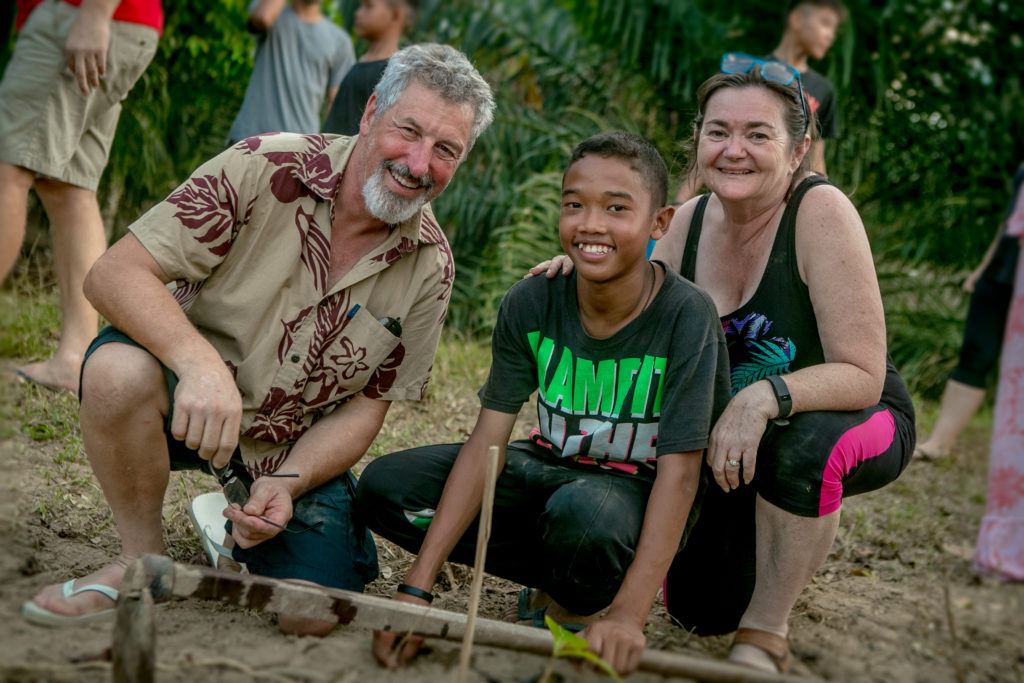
x,y
265,315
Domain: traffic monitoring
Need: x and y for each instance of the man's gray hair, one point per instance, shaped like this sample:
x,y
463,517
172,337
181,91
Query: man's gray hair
x,y
444,70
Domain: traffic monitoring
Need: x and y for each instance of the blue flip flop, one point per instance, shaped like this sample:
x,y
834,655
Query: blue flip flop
x,y
536,617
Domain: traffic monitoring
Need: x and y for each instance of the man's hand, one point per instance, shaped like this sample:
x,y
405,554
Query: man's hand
x,y
394,650
207,411
617,641
268,498
86,47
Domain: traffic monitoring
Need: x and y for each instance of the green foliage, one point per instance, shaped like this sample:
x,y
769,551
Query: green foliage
x,y
929,95
179,113
925,308
28,323
571,646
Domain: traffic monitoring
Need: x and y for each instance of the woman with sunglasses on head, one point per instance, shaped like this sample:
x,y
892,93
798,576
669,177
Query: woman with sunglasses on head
x,y
818,412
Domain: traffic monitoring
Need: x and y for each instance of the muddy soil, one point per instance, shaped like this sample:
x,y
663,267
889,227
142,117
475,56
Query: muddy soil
x,y
896,599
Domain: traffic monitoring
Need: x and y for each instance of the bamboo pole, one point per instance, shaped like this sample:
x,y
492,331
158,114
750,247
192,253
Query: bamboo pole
x,y
482,536
166,580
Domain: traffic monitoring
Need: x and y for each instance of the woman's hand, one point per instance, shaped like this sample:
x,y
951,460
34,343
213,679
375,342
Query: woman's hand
x,y
551,267
732,450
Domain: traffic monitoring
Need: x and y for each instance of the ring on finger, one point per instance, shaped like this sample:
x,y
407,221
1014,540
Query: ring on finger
x,y
732,463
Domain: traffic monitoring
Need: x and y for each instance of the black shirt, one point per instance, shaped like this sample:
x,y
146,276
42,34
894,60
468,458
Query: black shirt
x,y
349,103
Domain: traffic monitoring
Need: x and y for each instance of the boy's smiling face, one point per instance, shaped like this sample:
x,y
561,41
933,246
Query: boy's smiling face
x,y
607,218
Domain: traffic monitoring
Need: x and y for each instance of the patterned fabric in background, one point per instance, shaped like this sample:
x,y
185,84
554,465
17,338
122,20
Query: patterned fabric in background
x,y
1000,547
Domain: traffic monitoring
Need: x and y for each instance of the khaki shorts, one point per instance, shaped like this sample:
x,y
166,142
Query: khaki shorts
x,y
46,124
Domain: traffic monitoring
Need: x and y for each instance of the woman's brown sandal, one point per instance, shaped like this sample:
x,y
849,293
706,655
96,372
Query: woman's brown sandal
x,y
776,647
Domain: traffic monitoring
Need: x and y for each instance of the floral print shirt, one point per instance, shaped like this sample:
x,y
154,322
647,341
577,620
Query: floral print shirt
x,y
247,240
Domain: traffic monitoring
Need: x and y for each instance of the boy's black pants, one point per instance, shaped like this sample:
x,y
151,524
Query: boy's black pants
x,y
568,529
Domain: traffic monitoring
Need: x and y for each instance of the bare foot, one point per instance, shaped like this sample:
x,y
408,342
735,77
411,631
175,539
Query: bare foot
x,y
926,451
59,372
52,598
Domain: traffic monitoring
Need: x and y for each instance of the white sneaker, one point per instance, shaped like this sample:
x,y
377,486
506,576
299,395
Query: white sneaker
x,y
207,515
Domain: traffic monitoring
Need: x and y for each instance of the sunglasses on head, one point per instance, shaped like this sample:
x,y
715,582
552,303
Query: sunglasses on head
x,y
771,70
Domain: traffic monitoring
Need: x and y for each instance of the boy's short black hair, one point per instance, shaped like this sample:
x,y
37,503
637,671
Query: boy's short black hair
x,y
640,154
835,5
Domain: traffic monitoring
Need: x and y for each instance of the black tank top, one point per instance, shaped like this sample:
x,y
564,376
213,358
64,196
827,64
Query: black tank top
x,y
775,332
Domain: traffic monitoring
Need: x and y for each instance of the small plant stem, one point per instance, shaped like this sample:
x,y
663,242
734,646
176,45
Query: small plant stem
x,y
482,536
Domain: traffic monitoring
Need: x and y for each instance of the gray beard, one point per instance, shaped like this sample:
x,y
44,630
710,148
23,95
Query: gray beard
x,y
385,205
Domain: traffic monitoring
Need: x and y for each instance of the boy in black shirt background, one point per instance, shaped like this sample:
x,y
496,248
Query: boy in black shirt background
x,y
631,371
380,23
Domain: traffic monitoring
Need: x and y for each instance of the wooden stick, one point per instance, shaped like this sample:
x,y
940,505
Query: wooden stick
x,y
134,643
168,580
955,652
482,536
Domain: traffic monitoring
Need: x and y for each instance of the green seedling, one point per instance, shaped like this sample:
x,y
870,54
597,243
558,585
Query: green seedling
x,y
568,645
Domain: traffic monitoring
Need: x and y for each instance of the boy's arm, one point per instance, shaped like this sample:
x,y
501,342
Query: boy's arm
x,y
618,638
332,92
459,505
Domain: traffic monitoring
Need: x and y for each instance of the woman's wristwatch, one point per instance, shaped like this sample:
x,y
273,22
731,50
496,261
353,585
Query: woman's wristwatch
x,y
782,396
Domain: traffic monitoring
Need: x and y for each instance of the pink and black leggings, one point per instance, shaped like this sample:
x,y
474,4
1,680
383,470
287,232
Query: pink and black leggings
x,y
806,468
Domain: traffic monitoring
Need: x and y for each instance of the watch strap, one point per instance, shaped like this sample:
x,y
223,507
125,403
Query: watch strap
x,y
415,592
782,396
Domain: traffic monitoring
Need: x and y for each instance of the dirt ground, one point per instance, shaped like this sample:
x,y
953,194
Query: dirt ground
x,y
895,601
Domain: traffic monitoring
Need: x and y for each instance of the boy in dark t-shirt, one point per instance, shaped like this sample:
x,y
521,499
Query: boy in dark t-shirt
x,y
810,30
591,509
380,23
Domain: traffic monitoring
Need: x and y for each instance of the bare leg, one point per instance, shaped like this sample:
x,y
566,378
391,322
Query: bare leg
x,y
78,240
123,407
959,404
789,551
15,183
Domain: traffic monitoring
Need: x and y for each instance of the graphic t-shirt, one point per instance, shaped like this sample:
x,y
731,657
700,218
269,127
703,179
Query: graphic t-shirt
x,y
654,387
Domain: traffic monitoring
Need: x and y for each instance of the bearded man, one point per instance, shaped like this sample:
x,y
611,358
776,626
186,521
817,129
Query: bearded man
x,y
263,318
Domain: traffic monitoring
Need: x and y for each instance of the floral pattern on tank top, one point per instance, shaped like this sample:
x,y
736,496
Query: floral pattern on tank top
x,y
753,353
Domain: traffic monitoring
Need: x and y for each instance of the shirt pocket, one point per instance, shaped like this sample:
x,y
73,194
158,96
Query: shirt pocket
x,y
350,360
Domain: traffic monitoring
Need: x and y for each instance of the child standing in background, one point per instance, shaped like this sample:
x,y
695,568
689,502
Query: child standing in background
x,y
380,23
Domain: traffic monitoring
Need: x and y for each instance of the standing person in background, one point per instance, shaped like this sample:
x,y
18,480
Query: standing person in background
x,y
380,23
1000,547
811,27
300,56
991,288
60,98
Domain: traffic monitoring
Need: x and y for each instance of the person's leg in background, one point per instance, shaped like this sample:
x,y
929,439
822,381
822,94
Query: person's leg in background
x,y
15,183
979,355
78,240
